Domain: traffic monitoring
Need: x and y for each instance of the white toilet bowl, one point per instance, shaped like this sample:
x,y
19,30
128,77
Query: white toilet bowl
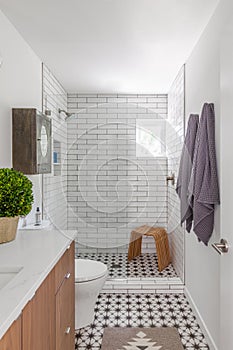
x,y
90,276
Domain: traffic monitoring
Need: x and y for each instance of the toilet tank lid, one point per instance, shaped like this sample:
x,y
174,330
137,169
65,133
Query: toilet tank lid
x,y
88,270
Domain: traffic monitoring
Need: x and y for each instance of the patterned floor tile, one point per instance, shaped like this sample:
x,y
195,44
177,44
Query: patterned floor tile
x,y
145,265
146,310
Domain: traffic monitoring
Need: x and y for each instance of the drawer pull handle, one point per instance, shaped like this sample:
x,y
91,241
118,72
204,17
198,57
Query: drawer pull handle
x,y
67,330
67,276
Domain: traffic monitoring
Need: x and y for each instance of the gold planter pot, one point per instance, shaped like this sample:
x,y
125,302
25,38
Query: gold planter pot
x,y
8,228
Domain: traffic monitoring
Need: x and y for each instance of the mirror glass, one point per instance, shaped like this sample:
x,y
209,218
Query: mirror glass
x,y
43,141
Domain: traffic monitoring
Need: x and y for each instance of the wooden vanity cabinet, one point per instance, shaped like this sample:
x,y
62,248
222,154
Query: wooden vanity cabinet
x,y
65,301
12,339
65,316
38,318
48,319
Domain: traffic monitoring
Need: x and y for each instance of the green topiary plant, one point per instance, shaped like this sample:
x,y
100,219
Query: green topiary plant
x,y
16,195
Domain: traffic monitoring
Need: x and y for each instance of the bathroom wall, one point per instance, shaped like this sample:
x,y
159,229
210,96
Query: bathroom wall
x,y
202,273
111,189
20,86
55,184
175,137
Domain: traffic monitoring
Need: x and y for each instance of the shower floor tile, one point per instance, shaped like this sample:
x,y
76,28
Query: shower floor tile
x,y
143,266
142,310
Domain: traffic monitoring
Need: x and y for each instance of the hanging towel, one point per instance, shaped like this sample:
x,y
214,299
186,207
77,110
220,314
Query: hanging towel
x,y
204,185
185,171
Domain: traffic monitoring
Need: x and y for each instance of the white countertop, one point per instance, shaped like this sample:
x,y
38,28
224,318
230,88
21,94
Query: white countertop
x,y
36,252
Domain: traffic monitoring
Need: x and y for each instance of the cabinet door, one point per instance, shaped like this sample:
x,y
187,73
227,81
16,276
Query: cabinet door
x,y
31,141
38,318
65,305
12,339
64,266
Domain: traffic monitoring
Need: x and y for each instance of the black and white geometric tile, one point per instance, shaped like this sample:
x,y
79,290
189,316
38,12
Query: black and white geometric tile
x,y
145,265
142,310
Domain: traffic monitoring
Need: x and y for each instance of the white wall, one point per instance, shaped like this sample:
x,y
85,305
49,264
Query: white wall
x,y
226,271
203,85
20,86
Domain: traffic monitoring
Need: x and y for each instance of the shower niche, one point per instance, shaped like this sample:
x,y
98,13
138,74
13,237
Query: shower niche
x,y
56,157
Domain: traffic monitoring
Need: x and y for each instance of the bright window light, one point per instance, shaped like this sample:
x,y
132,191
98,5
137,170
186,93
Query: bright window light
x,y
150,138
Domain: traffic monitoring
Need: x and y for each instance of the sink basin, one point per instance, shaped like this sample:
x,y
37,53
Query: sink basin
x,y
7,273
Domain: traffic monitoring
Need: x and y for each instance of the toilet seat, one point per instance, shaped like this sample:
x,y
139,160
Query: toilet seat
x,y
89,270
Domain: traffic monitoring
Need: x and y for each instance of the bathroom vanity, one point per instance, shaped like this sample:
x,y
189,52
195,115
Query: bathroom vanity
x,y
37,301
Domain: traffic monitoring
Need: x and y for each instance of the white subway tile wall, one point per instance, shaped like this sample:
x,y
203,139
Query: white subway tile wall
x,y
175,137
55,184
110,190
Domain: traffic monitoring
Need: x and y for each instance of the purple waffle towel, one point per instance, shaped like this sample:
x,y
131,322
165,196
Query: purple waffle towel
x,y
185,170
204,179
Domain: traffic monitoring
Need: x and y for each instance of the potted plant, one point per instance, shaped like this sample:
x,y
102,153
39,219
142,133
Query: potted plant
x,y
16,200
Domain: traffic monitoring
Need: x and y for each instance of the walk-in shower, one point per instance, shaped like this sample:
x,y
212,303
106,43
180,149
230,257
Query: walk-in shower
x,y
116,153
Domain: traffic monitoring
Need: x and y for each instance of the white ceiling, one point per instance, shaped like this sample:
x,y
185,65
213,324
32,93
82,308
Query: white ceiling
x,y
124,46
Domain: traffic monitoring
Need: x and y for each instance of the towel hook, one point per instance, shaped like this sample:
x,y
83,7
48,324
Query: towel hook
x,y
221,247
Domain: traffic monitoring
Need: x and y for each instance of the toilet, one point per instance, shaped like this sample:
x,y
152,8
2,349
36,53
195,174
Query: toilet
x,y
90,276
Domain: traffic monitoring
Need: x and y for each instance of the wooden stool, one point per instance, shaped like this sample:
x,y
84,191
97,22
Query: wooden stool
x,y
161,243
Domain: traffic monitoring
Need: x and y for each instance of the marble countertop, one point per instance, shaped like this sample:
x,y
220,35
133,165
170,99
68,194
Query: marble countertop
x,y
34,253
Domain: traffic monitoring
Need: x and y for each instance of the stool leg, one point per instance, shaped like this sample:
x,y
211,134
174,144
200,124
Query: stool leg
x,y
134,248
139,246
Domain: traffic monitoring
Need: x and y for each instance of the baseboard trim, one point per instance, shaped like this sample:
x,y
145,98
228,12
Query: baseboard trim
x,y
201,322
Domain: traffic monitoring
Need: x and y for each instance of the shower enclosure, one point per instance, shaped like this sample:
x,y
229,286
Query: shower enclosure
x,y
112,156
